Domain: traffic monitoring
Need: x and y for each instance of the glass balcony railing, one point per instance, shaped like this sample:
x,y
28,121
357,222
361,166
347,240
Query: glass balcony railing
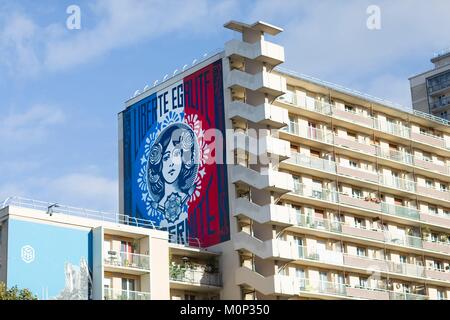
x,y
325,287
119,294
397,129
394,155
127,260
200,277
337,198
362,262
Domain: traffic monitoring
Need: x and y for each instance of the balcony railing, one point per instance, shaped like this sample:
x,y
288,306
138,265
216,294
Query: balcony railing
x,y
396,129
339,198
127,260
386,180
395,155
355,291
193,276
119,294
325,287
363,262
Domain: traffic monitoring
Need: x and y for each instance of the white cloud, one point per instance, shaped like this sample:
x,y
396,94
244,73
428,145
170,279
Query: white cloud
x,y
78,189
29,127
118,23
330,40
83,189
17,41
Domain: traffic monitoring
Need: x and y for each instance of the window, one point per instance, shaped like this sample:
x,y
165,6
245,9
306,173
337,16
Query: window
x,y
434,237
349,108
107,290
444,187
353,164
363,282
429,183
426,156
357,193
440,294
189,297
314,153
297,184
128,286
360,223
362,252
351,136
300,274
438,266
402,259
432,210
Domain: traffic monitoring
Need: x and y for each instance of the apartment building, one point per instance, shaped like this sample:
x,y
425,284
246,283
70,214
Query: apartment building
x,y
68,253
323,193
430,90
356,206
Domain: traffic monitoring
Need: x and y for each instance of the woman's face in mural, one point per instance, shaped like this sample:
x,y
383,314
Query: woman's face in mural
x,y
172,161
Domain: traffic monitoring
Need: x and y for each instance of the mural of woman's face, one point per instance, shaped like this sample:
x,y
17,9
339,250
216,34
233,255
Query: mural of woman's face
x,y
171,163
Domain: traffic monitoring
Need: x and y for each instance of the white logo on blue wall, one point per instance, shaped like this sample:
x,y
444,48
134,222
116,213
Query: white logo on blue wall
x,y
27,254
172,168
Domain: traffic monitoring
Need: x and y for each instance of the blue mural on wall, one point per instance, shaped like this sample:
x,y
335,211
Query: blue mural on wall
x,y
53,262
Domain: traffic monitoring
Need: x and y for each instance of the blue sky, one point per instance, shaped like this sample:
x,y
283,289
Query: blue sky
x,y
61,89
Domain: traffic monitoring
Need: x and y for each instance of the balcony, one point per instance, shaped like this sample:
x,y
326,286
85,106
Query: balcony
x,y
437,246
434,193
327,256
118,294
274,284
264,214
437,274
406,296
265,114
353,117
400,211
357,173
321,287
392,128
428,139
194,276
360,202
270,180
116,259
435,219
365,263
264,82
315,192
429,165
367,293
261,50
355,145
312,162
397,183
272,248
399,156
362,233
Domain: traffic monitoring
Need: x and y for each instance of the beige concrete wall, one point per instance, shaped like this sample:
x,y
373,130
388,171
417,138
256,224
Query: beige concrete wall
x,y
159,265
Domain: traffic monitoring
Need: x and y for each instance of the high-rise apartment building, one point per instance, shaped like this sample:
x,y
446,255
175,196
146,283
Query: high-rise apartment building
x,y
430,90
321,192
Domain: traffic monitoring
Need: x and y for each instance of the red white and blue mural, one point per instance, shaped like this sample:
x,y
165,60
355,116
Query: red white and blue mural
x,y
169,176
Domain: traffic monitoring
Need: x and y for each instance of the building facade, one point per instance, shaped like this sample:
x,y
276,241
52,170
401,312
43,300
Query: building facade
x,y
315,192
430,90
